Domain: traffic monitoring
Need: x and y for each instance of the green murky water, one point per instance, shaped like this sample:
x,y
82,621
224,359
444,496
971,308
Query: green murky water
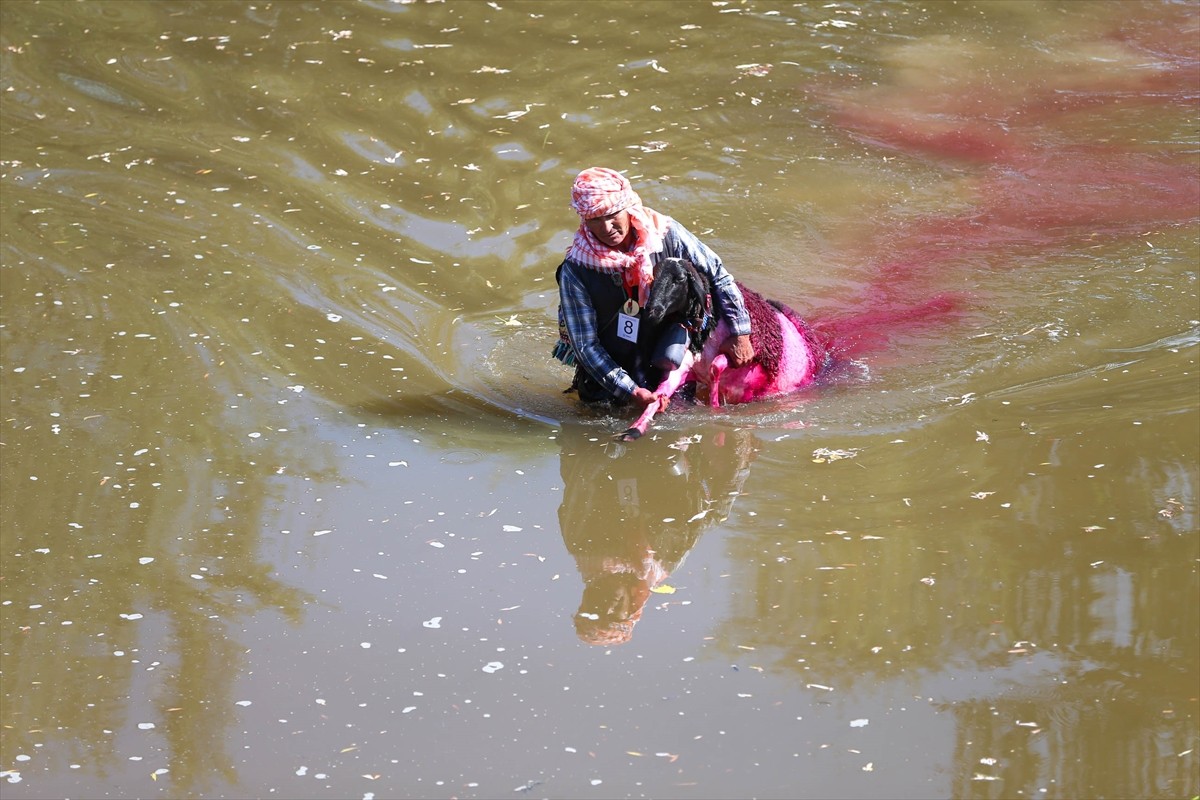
x,y
293,504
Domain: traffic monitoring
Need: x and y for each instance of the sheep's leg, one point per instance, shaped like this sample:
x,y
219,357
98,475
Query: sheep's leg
x,y
639,427
719,364
675,378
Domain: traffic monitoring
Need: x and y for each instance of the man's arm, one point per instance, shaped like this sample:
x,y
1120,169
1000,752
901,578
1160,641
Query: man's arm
x,y
733,306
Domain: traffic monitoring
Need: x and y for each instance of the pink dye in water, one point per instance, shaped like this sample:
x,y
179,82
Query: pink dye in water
x,y
1054,158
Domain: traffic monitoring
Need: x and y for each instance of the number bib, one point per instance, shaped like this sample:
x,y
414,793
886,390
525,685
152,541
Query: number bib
x,y
627,327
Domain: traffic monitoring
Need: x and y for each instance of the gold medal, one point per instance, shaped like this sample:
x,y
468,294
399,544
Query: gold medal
x,y
631,307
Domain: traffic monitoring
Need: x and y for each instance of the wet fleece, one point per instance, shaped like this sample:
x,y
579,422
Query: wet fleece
x,y
766,333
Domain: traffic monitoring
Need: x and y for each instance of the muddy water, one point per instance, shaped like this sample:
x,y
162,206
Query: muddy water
x,y
293,504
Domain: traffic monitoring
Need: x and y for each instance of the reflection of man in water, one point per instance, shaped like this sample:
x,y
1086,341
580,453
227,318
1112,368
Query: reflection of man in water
x,y
629,518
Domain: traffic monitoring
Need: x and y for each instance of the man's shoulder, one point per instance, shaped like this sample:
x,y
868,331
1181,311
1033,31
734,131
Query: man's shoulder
x,y
676,231
574,273
567,266
679,242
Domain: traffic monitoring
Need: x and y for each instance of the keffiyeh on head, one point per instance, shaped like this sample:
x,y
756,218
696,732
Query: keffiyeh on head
x,y
600,191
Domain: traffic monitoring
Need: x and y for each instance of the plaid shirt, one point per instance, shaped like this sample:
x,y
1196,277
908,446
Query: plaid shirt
x,y
579,315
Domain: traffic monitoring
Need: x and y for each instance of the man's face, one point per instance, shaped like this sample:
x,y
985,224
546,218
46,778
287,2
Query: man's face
x,y
611,229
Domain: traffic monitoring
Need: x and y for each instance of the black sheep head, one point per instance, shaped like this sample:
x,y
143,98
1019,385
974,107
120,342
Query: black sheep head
x,y
679,292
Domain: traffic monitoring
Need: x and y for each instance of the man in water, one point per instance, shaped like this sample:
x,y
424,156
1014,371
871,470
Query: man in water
x,y
607,275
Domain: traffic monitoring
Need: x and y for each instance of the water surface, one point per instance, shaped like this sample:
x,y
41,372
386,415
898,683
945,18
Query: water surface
x,y
294,505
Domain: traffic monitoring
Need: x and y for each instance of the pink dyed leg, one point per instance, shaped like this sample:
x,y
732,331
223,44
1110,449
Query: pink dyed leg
x,y
718,366
642,424
668,387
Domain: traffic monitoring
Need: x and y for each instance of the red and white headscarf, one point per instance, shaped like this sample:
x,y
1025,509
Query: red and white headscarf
x,y
598,192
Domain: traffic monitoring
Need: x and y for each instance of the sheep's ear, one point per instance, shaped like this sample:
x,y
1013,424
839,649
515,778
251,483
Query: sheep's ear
x,y
697,293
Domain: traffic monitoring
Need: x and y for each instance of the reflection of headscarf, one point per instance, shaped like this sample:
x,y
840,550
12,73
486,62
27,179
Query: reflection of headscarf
x,y
615,590
598,192
602,631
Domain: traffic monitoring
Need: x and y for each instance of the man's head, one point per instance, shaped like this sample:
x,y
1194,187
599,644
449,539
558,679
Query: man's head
x,y
602,197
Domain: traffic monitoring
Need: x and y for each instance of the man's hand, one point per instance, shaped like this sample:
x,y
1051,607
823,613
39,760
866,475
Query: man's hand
x,y
644,396
738,350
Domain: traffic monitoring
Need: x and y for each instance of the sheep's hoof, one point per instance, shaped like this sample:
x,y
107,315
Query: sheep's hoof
x,y
630,435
